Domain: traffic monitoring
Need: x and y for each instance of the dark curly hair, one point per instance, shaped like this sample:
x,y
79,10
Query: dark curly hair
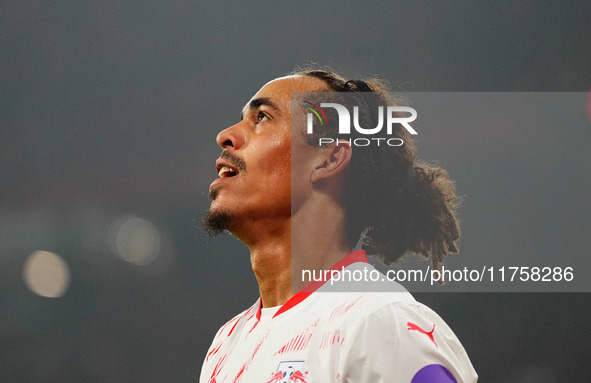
x,y
417,209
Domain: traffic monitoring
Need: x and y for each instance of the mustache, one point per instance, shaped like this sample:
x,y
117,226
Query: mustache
x,y
234,160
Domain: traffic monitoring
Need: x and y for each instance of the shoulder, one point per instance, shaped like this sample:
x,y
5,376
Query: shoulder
x,y
400,338
228,328
407,321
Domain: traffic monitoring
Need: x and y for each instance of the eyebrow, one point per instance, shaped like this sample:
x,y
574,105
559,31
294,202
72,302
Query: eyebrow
x,y
258,102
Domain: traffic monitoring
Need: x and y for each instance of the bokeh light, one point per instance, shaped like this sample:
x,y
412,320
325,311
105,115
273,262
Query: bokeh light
x,y
135,240
46,274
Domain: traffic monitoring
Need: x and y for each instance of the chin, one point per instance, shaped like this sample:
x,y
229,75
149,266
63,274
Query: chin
x,y
216,222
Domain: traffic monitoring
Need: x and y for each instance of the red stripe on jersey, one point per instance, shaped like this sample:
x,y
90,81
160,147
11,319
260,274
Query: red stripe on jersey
x,y
245,366
354,257
293,301
217,368
253,327
215,350
233,327
300,342
259,305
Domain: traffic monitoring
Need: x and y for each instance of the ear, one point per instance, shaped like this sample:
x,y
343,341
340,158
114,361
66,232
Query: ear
x,y
333,160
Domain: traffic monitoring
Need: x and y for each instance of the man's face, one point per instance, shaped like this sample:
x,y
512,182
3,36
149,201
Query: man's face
x,y
254,184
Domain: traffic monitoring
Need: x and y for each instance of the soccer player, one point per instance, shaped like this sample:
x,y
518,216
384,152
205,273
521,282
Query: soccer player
x,y
300,205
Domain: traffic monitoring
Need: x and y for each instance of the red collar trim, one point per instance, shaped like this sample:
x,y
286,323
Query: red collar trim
x,y
259,305
354,257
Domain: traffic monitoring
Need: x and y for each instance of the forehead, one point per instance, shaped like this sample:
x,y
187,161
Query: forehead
x,y
279,90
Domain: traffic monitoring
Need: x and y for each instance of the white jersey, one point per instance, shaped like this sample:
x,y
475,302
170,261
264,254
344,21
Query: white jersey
x,y
342,337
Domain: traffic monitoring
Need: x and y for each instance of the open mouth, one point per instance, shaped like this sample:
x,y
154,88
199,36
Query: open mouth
x,y
226,171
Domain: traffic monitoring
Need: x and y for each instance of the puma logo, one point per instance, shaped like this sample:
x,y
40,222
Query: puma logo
x,y
412,326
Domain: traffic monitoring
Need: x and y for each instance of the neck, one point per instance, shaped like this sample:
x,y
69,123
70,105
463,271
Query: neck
x,y
312,239
317,239
271,262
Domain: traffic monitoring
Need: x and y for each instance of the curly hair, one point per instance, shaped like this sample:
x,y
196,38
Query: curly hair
x,y
417,209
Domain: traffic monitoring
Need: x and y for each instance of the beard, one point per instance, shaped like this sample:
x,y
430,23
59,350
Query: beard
x,y
215,223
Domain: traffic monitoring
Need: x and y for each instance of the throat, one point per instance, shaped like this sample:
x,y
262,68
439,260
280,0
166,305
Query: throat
x,y
273,273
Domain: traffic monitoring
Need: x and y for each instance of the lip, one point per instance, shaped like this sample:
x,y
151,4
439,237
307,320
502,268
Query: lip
x,y
219,180
220,163
216,182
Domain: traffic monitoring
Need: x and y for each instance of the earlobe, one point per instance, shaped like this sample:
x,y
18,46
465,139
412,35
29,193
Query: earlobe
x,y
334,160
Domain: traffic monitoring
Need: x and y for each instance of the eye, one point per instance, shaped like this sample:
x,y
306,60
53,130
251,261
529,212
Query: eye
x,y
261,117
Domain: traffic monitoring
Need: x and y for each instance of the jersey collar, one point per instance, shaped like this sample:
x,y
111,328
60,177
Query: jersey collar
x,y
351,258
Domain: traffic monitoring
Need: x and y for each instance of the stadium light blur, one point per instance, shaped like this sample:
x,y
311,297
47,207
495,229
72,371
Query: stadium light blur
x,y
46,274
135,240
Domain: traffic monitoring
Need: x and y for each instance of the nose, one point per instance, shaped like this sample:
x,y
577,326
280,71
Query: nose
x,y
230,137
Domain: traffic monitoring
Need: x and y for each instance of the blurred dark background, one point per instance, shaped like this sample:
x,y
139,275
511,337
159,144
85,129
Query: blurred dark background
x,y
108,116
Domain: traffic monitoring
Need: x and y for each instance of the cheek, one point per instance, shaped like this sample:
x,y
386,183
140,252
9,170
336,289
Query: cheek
x,y
278,175
277,160
304,161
